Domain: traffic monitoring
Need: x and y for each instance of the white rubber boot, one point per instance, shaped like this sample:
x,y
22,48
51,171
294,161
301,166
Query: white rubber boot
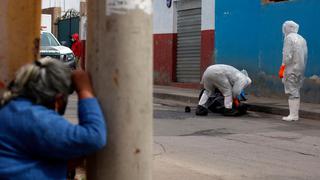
x,y
294,106
228,102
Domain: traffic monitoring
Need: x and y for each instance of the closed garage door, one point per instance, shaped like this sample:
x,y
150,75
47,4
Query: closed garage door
x,y
189,40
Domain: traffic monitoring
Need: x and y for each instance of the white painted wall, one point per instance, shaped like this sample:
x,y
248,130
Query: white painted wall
x,y
46,22
164,18
83,28
208,15
64,4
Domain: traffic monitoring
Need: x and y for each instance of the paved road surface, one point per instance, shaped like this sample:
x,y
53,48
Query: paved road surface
x,y
252,147
255,146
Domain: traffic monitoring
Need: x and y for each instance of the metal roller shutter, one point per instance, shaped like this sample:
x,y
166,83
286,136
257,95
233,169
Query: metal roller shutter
x,y
189,41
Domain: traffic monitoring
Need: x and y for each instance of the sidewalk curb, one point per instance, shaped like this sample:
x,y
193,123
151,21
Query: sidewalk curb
x,y
176,97
251,106
282,111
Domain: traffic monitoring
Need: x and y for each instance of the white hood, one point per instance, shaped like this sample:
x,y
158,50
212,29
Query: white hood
x,y
290,27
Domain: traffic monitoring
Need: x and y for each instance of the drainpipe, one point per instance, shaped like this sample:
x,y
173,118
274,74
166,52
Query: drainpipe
x,y
20,35
119,59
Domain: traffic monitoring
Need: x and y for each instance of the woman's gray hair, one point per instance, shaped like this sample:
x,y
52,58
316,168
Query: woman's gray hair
x,y
40,82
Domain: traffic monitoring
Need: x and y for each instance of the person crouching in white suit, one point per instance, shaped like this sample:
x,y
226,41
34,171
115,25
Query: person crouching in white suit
x,y
230,82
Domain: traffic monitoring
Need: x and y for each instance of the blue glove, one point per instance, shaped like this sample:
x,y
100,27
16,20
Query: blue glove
x,y
242,96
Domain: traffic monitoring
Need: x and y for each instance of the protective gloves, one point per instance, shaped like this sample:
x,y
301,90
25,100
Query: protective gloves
x,y
281,71
236,102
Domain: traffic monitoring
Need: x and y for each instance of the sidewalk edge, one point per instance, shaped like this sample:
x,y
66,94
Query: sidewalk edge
x,y
251,106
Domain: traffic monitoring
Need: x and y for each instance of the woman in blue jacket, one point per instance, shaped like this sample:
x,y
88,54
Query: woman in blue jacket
x,y
36,142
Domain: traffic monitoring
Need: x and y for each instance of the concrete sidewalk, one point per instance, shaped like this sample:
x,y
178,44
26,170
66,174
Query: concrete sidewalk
x,y
259,104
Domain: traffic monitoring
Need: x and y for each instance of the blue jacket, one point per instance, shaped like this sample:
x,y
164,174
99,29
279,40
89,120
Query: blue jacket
x,y
36,142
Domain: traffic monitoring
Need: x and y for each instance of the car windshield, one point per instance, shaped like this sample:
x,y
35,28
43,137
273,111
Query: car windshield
x,y
47,39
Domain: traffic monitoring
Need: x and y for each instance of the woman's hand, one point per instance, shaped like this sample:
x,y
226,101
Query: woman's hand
x,y
82,84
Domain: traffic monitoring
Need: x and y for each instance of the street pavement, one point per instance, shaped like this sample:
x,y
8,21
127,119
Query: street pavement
x,y
270,105
255,146
252,147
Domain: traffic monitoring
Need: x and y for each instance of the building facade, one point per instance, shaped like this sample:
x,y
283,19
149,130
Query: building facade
x,y
249,35
183,40
246,34
65,5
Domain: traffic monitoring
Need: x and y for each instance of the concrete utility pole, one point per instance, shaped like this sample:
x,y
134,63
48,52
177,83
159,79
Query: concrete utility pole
x,y
119,58
20,35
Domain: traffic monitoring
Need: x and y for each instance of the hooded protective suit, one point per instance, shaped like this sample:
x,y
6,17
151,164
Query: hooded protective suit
x,y
229,80
294,60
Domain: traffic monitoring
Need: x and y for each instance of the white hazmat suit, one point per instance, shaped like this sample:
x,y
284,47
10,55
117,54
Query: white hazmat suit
x,y
229,80
294,60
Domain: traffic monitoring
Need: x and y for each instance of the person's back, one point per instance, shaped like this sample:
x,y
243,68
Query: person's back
x,y
35,140
19,157
220,75
227,71
299,53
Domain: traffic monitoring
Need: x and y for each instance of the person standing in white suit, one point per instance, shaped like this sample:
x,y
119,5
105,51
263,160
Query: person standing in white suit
x,y
293,67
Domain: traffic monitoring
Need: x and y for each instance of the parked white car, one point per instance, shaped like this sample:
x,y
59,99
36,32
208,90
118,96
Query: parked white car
x,y
50,46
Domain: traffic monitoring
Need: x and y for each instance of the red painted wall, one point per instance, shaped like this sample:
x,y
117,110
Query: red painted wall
x,y
83,55
207,49
165,57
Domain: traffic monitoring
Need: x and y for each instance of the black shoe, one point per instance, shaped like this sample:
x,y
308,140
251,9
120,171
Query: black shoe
x,y
243,108
201,111
230,112
187,109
